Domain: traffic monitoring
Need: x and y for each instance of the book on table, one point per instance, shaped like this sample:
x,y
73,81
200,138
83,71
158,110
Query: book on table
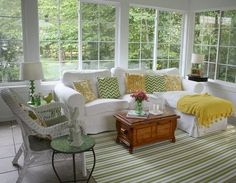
x,y
133,114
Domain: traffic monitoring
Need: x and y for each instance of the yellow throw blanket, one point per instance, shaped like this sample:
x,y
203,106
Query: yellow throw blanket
x,y
205,107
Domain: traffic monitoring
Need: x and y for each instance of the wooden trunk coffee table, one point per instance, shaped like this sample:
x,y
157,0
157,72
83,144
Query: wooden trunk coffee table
x,y
135,132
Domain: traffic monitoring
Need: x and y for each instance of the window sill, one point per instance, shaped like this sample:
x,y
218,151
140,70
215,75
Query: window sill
x,y
24,84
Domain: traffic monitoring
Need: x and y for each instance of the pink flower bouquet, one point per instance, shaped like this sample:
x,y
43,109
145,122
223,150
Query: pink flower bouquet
x,y
139,96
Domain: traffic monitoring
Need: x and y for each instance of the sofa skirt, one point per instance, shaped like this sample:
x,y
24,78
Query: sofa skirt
x,y
189,124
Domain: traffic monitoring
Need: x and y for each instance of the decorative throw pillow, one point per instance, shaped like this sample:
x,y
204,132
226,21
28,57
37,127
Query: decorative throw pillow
x,y
155,83
33,115
108,87
84,87
134,82
173,83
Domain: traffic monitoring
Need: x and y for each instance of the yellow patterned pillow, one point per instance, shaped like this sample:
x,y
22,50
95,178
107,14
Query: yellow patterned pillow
x,y
84,87
134,82
173,83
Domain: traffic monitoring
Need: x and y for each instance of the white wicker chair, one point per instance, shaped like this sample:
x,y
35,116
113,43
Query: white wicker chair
x,y
32,146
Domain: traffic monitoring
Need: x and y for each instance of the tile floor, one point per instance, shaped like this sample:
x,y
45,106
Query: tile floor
x,y
10,140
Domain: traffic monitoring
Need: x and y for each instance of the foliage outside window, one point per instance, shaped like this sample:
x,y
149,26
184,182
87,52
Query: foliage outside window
x,y
58,22
142,38
11,43
98,23
169,39
215,37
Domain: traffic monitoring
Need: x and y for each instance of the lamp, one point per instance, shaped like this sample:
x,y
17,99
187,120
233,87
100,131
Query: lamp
x,y
31,71
196,61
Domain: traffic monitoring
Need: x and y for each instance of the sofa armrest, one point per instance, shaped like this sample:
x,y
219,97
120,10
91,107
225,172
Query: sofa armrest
x,y
70,97
192,86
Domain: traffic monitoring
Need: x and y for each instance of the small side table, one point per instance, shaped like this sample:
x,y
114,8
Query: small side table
x,y
61,145
197,78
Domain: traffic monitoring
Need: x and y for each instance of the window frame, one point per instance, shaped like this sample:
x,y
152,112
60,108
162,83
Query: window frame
x,y
117,7
20,57
155,37
218,47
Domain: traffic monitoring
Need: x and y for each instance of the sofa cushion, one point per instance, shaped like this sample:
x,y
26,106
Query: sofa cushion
x,y
172,97
84,87
108,87
168,71
134,82
70,76
154,83
100,106
173,83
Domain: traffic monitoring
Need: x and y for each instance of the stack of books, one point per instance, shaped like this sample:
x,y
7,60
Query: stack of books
x,y
133,114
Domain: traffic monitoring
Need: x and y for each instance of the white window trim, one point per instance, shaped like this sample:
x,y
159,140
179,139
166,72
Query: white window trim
x,y
117,31
217,45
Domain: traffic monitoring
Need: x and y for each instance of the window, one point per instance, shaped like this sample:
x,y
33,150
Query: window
x,y
98,22
169,39
11,43
58,22
215,35
141,37
145,31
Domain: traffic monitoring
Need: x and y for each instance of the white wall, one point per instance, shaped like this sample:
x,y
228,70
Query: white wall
x,y
196,5
166,4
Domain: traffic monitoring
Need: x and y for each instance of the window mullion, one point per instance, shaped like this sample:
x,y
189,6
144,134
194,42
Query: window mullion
x,y
140,41
79,36
154,66
218,46
59,36
99,35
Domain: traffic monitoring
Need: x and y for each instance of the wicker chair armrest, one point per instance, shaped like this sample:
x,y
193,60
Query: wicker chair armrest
x,y
55,107
54,131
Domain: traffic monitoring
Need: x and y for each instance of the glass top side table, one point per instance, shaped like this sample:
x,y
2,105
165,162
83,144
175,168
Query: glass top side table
x,y
62,145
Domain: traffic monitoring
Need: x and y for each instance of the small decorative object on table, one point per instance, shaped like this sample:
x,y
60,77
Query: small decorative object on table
x,y
133,114
155,109
139,97
75,136
37,99
48,98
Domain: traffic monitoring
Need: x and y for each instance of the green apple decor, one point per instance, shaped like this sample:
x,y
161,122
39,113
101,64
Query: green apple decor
x,y
48,98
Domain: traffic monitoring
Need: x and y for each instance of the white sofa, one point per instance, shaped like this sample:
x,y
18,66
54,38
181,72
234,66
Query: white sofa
x,y
98,114
187,122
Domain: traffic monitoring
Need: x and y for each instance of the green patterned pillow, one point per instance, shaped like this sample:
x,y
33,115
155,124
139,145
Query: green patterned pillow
x,y
155,83
108,87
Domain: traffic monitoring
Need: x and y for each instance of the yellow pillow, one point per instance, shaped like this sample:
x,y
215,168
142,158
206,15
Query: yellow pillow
x,y
84,87
33,115
173,83
134,82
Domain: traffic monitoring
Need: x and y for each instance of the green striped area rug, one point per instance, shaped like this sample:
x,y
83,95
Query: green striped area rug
x,y
211,158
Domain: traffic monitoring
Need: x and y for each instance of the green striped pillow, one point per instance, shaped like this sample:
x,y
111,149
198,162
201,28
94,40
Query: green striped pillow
x,y
108,87
154,83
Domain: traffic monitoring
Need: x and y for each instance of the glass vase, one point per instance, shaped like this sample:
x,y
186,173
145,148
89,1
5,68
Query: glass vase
x,y
138,107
